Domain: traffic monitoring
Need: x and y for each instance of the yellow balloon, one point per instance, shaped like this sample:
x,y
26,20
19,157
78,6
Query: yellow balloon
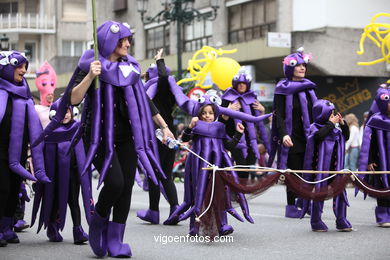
x,y
222,71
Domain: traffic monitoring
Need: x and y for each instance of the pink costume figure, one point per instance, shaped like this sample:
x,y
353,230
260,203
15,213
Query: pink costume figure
x,y
46,82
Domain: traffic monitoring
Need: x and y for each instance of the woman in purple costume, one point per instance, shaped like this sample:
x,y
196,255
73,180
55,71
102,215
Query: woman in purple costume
x,y
375,152
293,102
19,125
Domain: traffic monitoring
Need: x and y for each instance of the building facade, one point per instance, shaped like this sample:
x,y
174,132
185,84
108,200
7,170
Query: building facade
x,y
59,31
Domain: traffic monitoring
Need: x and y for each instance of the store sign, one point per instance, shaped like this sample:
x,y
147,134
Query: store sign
x,y
264,91
279,40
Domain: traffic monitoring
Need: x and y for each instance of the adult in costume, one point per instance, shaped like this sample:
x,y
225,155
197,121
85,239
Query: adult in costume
x,y
325,150
19,125
46,82
293,102
375,152
64,169
118,127
157,88
239,97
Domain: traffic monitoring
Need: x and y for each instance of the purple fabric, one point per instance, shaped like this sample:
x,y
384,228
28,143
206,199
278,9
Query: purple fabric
x,y
288,88
22,107
293,60
323,153
58,168
242,77
246,100
9,61
126,75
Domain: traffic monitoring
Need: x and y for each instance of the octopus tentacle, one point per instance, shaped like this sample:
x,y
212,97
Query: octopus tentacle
x,y
61,111
16,139
203,177
148,133
85,181
80,131
49,188
135,122
35,128
95,128
63,167
240,197
263,132
109,130
3,102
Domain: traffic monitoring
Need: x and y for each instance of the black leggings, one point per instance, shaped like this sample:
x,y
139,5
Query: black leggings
x,y
118,183
73,198
9,190
239,159
167,158
294,161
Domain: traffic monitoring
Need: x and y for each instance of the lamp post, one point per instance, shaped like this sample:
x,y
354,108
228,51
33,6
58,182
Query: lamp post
x,y
4,43
181,12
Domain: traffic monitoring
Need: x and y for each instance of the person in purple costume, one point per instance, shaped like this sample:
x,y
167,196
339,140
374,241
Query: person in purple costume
x,y
117,124
241,98
64,169
293,102
157,88
19,125
375,152
325,150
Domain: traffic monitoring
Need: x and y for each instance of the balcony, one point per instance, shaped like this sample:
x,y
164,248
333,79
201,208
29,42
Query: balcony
x,y
27,23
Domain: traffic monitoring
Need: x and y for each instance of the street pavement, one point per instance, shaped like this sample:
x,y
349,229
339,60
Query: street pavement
x,y
271,237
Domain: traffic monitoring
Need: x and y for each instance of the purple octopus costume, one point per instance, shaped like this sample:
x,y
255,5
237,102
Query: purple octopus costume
x,y
64,169
325,150
121,91
376,149
157,89
19,124
292,116
246,99
208,143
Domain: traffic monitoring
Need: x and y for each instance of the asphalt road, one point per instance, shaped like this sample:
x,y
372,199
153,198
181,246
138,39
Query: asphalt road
x,y
271,237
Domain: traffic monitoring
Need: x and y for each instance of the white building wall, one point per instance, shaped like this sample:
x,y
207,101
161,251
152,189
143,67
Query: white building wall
x,y
314,14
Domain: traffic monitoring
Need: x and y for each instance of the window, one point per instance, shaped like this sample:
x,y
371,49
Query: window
x,y
157,38
197,34
74,10
30,51
73,48
9,8
251,20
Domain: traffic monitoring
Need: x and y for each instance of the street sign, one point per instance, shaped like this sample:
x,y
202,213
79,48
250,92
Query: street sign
x,y
279,40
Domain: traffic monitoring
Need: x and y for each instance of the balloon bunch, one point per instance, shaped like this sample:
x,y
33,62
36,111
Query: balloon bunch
x,y
379,33
205,61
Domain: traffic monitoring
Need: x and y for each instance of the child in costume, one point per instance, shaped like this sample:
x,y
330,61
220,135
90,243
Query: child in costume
x,y
325,150
375,152
202,130
19,125
64,168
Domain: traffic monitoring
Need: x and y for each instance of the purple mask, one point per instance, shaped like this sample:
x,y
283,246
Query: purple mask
x,y
9,61
293,60
153,71
54,106
212,100
109,34
322,109
382,99
242,77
